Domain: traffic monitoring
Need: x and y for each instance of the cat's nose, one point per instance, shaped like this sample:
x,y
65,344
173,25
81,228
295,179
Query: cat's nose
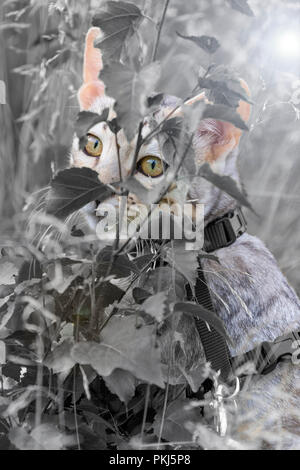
x,y
107,175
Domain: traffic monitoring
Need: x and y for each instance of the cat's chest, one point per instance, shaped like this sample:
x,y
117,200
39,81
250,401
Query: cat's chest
x,y
250,294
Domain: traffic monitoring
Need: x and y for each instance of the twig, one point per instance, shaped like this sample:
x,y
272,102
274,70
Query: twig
x,y
147,398
129,287
139,143
75,409
119,159
159,30
94,316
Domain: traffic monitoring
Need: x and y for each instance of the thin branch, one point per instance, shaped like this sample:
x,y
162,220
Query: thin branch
x,y
159,30
114,311
157,129
119,158
147,399
139,144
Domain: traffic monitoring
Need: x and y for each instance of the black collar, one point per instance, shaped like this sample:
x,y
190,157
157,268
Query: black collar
x,y
224,231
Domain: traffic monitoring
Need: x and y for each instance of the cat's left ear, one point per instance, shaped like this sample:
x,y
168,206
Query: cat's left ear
x,y
92,87
215,139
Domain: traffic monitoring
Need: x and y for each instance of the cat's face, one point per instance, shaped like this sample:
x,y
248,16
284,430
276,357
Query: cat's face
x,y
113,156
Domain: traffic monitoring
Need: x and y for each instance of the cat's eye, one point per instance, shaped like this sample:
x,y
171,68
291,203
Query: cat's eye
x,y
151,166
94,146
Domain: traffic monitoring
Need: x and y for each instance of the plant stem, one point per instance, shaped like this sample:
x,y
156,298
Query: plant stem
x,y
159,30
119,159
145,411
139,144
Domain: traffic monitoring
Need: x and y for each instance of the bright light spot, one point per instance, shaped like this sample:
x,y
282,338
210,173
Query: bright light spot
x,y
288,45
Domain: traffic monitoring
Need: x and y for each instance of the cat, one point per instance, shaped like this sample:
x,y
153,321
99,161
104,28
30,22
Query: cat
x,y
249,292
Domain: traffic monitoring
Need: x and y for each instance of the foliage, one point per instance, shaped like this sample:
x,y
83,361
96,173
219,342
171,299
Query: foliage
x,y
74,188
207,43
119,21
86,362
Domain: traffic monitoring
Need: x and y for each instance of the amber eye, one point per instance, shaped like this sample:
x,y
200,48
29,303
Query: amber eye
x,y
151,166
94,146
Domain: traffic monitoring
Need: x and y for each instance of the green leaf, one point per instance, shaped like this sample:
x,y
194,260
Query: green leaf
x,y
224,87
122,383
8,272
195,377
174,426
12,371
208,43
118,21
123,346
72,189
62,274
206,315
114,126
7,318
184,261
143,261
5,293
120,265
225,183
30,270
173,127
2,353
140,295
85,121
241,6
221,112
130,88
155,99
155,306
60,360
175,142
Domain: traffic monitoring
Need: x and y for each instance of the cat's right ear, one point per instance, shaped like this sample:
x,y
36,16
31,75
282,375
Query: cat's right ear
x,y
92,87
216,139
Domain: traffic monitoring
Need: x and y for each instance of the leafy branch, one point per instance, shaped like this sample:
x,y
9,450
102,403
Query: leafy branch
x,y
160,27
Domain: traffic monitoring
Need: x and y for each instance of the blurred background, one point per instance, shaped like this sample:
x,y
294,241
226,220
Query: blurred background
x,y
41,48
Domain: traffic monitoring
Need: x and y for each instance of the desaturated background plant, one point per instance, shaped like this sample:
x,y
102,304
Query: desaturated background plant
x,y
61,387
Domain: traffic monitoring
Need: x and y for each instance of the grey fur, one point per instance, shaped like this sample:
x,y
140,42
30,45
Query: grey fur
x,y
256,304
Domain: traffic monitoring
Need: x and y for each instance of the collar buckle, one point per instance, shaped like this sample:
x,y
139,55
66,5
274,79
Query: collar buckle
x,y
279,350
223,232
238,222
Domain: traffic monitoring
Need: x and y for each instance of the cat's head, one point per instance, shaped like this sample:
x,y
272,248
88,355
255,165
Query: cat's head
x,y
112,156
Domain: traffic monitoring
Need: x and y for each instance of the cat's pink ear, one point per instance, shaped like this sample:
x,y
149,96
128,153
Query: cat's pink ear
x,y
92,87
244,108
217,138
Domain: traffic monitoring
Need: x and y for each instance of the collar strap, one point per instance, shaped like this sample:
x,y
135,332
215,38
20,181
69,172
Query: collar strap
x,y
224,231
265,357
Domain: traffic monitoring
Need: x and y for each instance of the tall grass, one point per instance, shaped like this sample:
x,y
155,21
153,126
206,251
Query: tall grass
x,y
41,59
41,52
